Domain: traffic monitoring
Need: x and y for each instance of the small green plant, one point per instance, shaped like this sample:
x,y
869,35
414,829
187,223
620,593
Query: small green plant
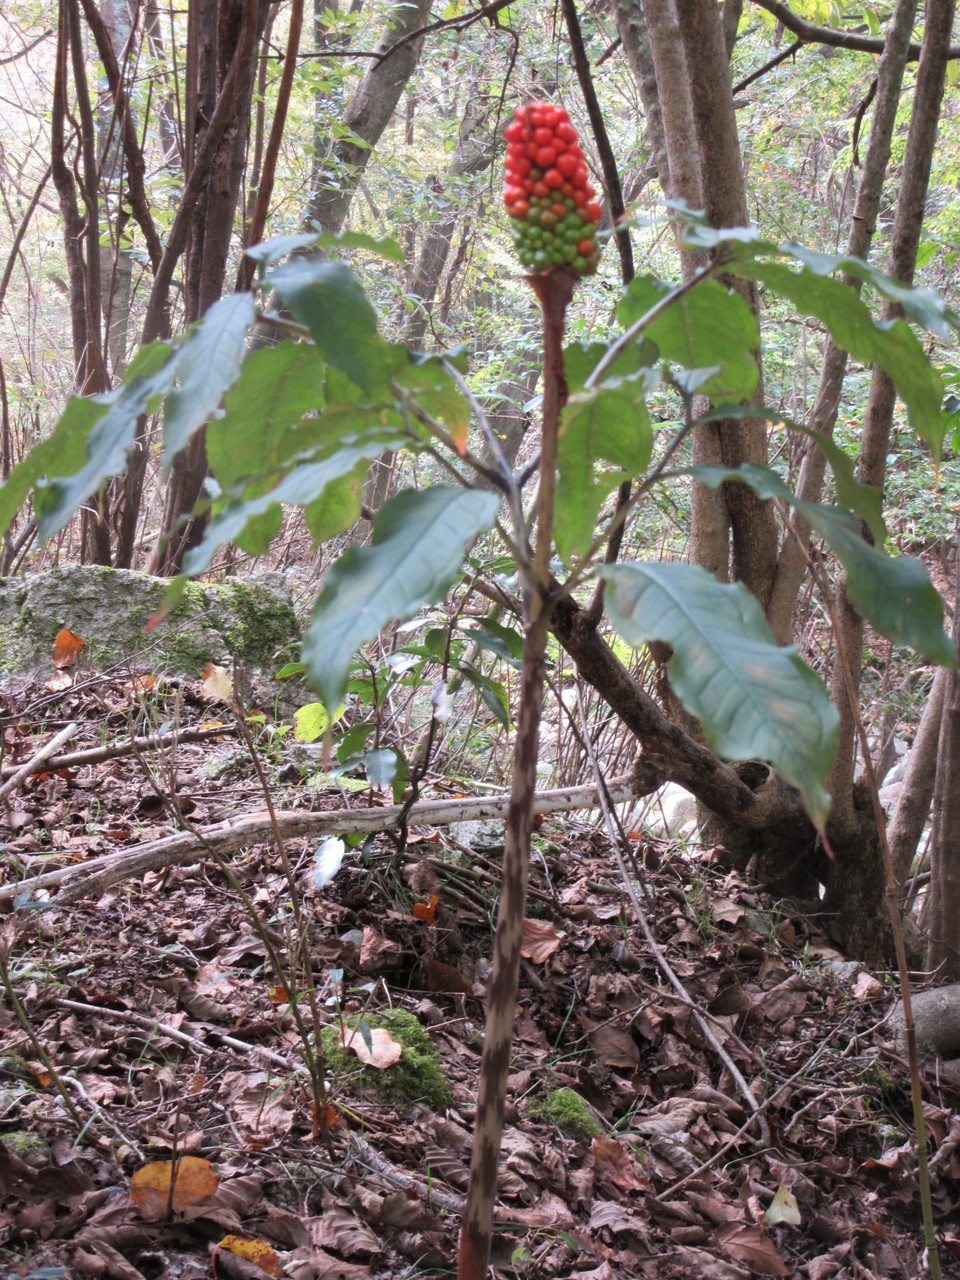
x,y
567,1111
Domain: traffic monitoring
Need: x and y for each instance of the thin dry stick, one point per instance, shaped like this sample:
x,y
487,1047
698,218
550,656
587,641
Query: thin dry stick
x,y
652,943
33,764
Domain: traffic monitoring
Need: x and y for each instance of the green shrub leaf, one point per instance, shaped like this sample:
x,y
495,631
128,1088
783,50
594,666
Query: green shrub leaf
x,y
755,700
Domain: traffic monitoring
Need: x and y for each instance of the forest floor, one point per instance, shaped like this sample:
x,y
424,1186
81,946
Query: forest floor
x,y
158,1011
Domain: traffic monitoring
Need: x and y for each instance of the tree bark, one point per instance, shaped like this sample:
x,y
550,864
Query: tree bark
x,y
916,791
369,112
905,241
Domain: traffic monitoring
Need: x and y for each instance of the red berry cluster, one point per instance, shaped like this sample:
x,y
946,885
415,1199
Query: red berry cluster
x,y
548,194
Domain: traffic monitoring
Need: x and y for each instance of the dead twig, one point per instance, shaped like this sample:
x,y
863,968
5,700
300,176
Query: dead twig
x,y
36,761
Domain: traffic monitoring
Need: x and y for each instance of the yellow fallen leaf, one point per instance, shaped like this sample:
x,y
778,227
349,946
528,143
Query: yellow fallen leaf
x,y
256,1251
150,1186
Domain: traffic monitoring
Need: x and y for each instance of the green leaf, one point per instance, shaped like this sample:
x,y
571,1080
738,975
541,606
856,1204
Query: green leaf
x,y
381,766
609,425
271,251
312,721
756,701
327,297
110,440
305,486
492,693
419,539
705,328
208,364
276,388
893,347
893,593
65,449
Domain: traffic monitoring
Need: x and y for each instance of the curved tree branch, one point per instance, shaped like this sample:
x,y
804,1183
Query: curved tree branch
x,y
808,33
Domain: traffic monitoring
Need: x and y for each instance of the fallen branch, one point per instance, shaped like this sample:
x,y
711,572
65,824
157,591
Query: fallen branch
x,y
37,761
100,874
96,755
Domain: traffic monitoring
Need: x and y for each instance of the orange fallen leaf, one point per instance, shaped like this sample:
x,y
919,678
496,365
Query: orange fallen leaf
x,y
384,1051
40,1074
150,1186
540,940
428,914
256,1251
65,649
217,682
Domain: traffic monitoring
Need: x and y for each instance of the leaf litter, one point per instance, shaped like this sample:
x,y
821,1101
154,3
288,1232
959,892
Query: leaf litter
x,y
156,1005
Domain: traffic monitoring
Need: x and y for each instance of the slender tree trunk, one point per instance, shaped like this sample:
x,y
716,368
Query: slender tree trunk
x,y
905,241
369,112
919,777
943,958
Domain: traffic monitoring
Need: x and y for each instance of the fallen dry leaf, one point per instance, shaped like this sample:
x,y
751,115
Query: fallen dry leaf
x,y
150,1186
384,1052
752,1247
59,682
617,1163
540,940
217,682
867,987
256,1251
783,1210
65,649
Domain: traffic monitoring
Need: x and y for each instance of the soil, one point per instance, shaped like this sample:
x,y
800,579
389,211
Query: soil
x,y
156,1009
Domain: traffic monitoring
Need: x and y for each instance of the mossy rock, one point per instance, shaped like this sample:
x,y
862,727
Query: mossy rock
x,y
25,1145
417,1077
249,618
568,1111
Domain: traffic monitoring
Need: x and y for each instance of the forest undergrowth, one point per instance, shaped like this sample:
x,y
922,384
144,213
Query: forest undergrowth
x,y
629,1150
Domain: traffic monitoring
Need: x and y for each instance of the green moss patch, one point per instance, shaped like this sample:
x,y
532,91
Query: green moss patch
x,y
417,1077
568,1111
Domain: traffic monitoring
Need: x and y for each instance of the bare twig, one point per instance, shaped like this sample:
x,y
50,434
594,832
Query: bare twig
x,y
35,762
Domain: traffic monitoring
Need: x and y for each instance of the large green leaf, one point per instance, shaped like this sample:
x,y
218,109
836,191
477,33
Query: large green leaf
x,y
609,425
270,251
276,388
893,593
111,438
894,347
328,298
756,701
64,450
707,328
305,486
419,539
922,306
208,364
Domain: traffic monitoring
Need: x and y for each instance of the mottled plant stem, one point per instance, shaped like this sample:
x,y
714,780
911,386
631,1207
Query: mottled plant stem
x,y
554,290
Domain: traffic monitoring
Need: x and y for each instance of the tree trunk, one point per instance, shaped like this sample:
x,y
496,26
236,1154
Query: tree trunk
x,y
369,112
905,241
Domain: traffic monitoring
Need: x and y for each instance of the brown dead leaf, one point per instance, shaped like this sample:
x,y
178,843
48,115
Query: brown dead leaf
x,y
384,1051
616,1162
444,977
867,987
256,1251
56,684
540,940
65,649
217,682
751,1246
150,1186
337,1228
377,952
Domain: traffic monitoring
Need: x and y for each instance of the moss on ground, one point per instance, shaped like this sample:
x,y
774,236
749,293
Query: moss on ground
x,y
417,1077
568,1111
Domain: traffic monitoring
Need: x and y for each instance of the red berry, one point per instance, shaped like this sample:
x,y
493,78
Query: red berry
x,y
559,209
545,157
528,185
585,247
589,192
540,189
579,176
578,197
566,189
515,132
543,136
520,114
553,178
567,164
520,209
531,150
594,212
522,167
566,131
535,117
